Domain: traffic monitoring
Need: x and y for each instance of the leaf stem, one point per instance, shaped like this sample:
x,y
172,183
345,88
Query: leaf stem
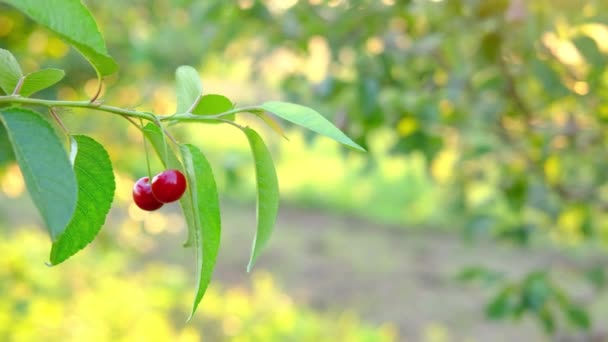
x,y
195,117
143,135
56,117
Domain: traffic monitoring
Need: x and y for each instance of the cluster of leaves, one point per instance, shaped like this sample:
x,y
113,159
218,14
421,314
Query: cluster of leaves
x,y
74,193
536,293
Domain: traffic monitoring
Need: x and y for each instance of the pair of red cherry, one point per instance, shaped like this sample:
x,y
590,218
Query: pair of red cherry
x,y
167,186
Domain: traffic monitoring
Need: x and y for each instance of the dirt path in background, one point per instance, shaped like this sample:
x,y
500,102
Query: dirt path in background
x,y
385,274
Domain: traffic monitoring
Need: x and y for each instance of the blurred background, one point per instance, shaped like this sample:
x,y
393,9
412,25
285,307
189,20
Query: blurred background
x,y
478,214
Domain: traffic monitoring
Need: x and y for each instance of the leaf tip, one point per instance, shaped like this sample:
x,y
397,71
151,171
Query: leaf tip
x,y
190,317
359,148
250,264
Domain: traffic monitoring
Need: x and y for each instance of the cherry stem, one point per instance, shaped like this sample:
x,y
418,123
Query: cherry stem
x,y
170,137
163,134
141,123
56,117
73,145
133,122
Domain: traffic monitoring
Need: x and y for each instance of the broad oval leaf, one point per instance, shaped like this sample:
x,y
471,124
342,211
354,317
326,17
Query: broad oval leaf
x,y
44,163
267,205
212,104
72,21
154,136
206,211
309,118
40,80
188,88
10,71
96,187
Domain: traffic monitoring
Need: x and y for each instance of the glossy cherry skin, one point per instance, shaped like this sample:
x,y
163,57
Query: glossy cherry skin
x,y
142,195
168,186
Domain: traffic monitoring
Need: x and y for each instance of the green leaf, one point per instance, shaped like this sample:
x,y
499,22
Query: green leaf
x,y
536,291
578,317
547,320
6,151
10,72
39,80
188,87
95,194
309,118
590,50
73,22
268,193
501,305
206,211
481,274
45,167
490,46
155,137
517,192
212,104
596,274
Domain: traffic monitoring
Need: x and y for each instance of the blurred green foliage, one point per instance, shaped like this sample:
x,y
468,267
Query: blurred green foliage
x,y
488,116
101,299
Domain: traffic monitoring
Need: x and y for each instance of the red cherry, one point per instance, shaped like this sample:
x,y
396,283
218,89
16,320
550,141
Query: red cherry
x,y
142,195
168,186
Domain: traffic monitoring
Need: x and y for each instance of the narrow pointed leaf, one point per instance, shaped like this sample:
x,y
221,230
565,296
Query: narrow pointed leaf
x,y
268,193
95,194
206,211
40,80
10,72
73,22
309,118
212,104
188,87
45,166
154,136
